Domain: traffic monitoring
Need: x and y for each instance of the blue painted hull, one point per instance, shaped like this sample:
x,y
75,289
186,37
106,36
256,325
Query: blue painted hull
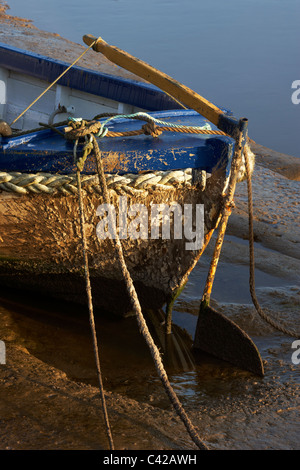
x,y
47,151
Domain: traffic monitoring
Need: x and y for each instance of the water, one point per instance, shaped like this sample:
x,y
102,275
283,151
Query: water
x,y
240,55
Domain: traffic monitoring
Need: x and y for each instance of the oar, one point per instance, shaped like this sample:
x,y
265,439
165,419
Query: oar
x,y
215,333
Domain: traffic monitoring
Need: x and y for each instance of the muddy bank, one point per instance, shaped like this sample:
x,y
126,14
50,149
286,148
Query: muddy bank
x,y
275,210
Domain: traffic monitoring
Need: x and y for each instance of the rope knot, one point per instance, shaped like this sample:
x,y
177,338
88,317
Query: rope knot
x,y
77,123
151,129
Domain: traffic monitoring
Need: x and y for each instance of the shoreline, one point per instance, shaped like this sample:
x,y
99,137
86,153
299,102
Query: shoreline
x,y
42,406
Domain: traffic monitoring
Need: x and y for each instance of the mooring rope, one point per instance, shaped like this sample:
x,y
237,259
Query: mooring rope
x,y
91,312
140,318
146,117
261,312
228,204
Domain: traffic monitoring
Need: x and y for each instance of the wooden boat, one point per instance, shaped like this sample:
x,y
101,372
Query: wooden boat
x,y
40,247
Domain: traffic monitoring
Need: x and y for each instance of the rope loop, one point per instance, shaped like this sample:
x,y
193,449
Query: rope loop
x,y
102,132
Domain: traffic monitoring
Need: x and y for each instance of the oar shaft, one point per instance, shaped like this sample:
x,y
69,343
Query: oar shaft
x,y
180,92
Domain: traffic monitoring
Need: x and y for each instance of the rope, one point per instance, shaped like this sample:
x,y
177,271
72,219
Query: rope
x,y
263,315
143,327
139,315
91,314
80,128
158,130
226,211
146,117
53,83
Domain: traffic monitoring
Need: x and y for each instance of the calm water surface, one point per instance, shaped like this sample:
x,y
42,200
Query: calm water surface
x,y
240,55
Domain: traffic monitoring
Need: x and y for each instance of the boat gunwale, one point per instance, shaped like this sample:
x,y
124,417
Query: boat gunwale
x,y
133,92
37,158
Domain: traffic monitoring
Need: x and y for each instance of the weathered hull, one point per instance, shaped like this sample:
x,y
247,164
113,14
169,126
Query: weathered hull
x,y
41,251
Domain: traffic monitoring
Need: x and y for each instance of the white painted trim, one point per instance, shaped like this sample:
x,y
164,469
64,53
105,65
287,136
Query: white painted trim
x,y
3,91
17,91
